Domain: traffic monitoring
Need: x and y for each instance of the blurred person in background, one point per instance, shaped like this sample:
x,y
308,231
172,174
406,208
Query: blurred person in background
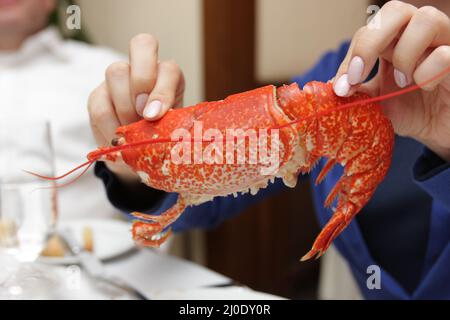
x,y
404,229
43,76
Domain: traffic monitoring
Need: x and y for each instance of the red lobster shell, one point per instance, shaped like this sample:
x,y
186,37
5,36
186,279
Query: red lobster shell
x,y
309,125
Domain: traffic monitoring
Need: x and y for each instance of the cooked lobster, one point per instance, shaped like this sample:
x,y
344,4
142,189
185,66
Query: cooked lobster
x,y
301,127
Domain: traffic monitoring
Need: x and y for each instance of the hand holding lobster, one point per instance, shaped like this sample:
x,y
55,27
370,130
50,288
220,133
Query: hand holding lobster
x,y
413,46
142,87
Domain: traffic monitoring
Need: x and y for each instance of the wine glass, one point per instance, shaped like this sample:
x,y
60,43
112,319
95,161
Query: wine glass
x,y
28,208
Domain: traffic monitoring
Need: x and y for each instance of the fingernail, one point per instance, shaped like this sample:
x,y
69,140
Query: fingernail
x,y
342,87
400,78
141,100
355,70
153,109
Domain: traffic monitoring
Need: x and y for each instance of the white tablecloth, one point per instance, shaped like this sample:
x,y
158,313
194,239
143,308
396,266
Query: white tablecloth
x,y
155,274
147,270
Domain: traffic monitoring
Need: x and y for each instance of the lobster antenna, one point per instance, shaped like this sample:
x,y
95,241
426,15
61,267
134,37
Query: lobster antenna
x,y
87,163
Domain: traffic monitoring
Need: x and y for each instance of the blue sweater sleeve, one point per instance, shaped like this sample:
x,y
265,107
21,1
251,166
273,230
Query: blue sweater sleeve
x,y
432,174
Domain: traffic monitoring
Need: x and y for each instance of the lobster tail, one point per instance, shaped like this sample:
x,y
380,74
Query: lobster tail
x,y
359,138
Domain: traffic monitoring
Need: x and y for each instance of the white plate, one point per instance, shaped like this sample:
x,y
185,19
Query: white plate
x,y
228,293
112,238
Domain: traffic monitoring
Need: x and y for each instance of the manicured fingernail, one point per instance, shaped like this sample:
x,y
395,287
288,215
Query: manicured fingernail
x,y
355,70
400,78
342,87
141,100
153,109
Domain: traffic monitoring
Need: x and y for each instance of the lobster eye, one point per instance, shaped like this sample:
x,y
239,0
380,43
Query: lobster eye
x,y
117,141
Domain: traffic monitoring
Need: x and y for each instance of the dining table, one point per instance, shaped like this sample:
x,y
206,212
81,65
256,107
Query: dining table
x,y
115,269
157,274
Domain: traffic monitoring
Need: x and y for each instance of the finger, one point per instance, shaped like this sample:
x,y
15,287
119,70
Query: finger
x,y
434,64
102,115
92,101
372,42
384,82
369,43
341,85
169,86
118,82
429,27
144,63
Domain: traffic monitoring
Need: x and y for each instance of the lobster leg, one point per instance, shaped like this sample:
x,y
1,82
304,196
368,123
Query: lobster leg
x,y
149,230
353,193
340,219
328,166
361,177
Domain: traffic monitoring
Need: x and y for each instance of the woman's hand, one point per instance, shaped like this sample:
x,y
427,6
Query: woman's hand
x,y
142,87
413,45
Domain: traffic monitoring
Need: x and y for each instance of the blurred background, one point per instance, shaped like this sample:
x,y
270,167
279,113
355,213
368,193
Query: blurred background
x,y
227,46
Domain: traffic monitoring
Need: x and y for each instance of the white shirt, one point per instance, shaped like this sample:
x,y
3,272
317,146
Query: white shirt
x,y
50,78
